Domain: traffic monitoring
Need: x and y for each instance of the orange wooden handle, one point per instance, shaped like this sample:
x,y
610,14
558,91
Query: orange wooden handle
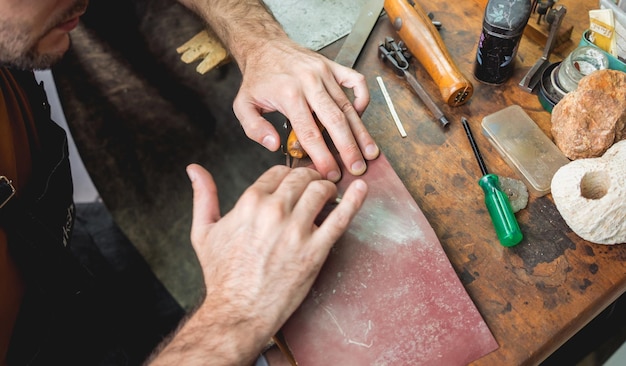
x,y
424,42
294,148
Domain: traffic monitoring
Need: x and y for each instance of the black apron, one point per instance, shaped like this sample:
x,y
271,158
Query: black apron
x,y
39,225
77,309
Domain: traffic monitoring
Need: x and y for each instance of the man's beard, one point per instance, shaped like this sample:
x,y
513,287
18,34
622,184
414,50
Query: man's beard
x,y
32,59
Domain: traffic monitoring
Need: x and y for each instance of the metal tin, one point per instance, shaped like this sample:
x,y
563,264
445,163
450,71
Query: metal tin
x,y
548,96
503,25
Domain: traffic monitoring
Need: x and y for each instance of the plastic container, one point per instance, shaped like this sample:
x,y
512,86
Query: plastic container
x,y
524,147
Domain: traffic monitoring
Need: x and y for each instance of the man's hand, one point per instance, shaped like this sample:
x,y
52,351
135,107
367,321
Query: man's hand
x,y
296,82
284,77
259,261
279,75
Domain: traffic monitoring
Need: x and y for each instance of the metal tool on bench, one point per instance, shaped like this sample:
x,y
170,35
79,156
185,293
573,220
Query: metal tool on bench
x,y
533,77
395,55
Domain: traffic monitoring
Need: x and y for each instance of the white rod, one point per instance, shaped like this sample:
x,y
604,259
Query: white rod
x,y
391,107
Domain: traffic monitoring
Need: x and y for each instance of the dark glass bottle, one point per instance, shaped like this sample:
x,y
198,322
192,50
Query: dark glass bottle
x,y
503,25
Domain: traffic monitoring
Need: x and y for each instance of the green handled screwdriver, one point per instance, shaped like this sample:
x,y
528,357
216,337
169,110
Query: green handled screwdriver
x,y
497,202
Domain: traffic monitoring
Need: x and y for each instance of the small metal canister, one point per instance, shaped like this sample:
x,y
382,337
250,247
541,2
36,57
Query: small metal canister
x,y
503,25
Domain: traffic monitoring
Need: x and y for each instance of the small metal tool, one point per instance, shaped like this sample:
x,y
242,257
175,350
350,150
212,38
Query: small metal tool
x,y
396,55
533,76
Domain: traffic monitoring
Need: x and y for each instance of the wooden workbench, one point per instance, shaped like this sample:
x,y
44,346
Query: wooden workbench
x,y
534,296
538,294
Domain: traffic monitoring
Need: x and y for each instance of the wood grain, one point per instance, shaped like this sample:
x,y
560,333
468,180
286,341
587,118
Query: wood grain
x,y
533,296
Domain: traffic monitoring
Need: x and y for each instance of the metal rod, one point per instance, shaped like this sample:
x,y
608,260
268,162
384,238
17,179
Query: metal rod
x,y
479,157
426,99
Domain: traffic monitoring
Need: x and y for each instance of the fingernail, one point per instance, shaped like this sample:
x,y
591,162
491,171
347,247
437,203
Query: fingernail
x,y
268,142
358,167
334,176
372,151
360,185
191,174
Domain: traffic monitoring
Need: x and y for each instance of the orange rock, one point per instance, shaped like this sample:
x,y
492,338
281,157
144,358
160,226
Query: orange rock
x,y
590,119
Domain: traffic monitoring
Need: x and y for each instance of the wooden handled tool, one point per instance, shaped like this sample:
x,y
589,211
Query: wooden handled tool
x,y
421,38
294,148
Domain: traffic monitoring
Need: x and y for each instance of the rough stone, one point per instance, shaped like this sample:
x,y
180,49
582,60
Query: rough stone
x,y
517,192
590,119
590,194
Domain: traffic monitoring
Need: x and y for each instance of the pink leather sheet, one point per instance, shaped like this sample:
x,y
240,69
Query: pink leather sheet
x,y
387,294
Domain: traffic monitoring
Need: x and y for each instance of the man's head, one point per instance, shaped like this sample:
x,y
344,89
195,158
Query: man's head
x,y
34,33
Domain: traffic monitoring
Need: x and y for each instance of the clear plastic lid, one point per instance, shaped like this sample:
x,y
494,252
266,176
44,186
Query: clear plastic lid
x,y
525,147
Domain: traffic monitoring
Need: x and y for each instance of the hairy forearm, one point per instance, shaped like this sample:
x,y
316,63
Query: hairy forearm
x,y
243,25
211,336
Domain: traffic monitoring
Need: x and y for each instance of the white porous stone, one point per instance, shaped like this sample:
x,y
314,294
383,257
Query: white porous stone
x,y
590,194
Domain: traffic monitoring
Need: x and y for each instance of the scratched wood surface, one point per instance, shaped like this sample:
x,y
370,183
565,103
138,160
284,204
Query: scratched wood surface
x,y
533,296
